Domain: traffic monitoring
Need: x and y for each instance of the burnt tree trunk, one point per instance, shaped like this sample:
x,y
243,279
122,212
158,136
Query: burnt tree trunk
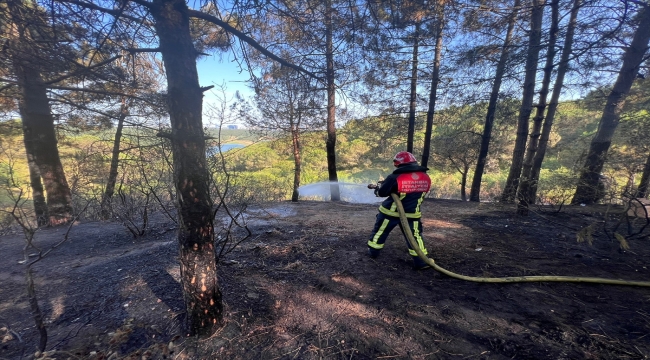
x,y
414,94
203,299
115,159
475,191
463,183
435,80
38,195
644,184
587,189
39,123
563,66
523,195
330,143
532,58
297,160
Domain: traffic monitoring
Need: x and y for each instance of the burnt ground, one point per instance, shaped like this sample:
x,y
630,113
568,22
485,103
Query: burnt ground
x,y
303,288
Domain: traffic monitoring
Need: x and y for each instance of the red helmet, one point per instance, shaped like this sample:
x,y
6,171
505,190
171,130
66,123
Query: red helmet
x,y
403,157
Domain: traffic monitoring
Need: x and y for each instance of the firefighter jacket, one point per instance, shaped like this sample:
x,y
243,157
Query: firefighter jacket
x,y
411,183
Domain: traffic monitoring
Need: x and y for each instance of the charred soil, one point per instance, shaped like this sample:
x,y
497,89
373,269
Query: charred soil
x,y
303,288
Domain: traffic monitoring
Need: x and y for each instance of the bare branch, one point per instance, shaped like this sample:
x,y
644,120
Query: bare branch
x,y
81,71
9,81
141,50
6,87
93,91
65,237
249,41
114,12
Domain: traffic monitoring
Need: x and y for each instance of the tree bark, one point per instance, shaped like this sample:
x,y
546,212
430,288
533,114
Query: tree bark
x,y
463,183
532,58
38,195
297,160
39,123
523,195
435,80
563,66
295,117
331,104
37,119
474,194
203,299
115,159
644,184
414,94
587,189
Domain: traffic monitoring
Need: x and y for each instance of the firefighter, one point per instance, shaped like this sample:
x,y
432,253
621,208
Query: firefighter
x,y
411,183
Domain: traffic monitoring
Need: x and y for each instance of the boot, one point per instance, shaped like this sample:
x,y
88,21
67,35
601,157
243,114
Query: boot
x,y
419,264
373,253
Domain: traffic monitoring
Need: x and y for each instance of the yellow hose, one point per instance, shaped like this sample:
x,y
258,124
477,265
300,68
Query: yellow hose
x,y
509,279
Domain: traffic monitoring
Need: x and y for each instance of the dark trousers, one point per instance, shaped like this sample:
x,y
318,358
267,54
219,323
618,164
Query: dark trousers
x,y
383,226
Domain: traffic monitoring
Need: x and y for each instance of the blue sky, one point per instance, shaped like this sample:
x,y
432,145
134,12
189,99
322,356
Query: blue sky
x,y
220,69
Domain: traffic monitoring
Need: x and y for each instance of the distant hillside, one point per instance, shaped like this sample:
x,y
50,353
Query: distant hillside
x,y
234,135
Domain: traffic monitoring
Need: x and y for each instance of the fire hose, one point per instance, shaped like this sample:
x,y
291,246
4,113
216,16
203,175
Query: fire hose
x,y
509,279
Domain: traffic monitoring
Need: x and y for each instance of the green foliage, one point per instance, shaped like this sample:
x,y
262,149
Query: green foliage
x,y
263,170
383,137
241,136
13,162
556,185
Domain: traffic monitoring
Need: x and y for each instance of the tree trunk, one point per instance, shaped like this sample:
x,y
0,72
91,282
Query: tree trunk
x,y
297,160
644,184
474,194
203,299
331,105
463,184
629,186
523,195
587,189
38,196
512,183
115,158
435,80
39,123
414,94
552,107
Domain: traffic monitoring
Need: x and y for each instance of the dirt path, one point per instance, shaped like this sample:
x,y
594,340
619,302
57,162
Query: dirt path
x,y
303,288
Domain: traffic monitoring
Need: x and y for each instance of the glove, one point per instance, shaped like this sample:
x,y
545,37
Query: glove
x,y
376,187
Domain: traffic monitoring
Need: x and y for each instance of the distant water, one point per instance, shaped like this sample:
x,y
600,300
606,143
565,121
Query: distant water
x,y
224,147
350,192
